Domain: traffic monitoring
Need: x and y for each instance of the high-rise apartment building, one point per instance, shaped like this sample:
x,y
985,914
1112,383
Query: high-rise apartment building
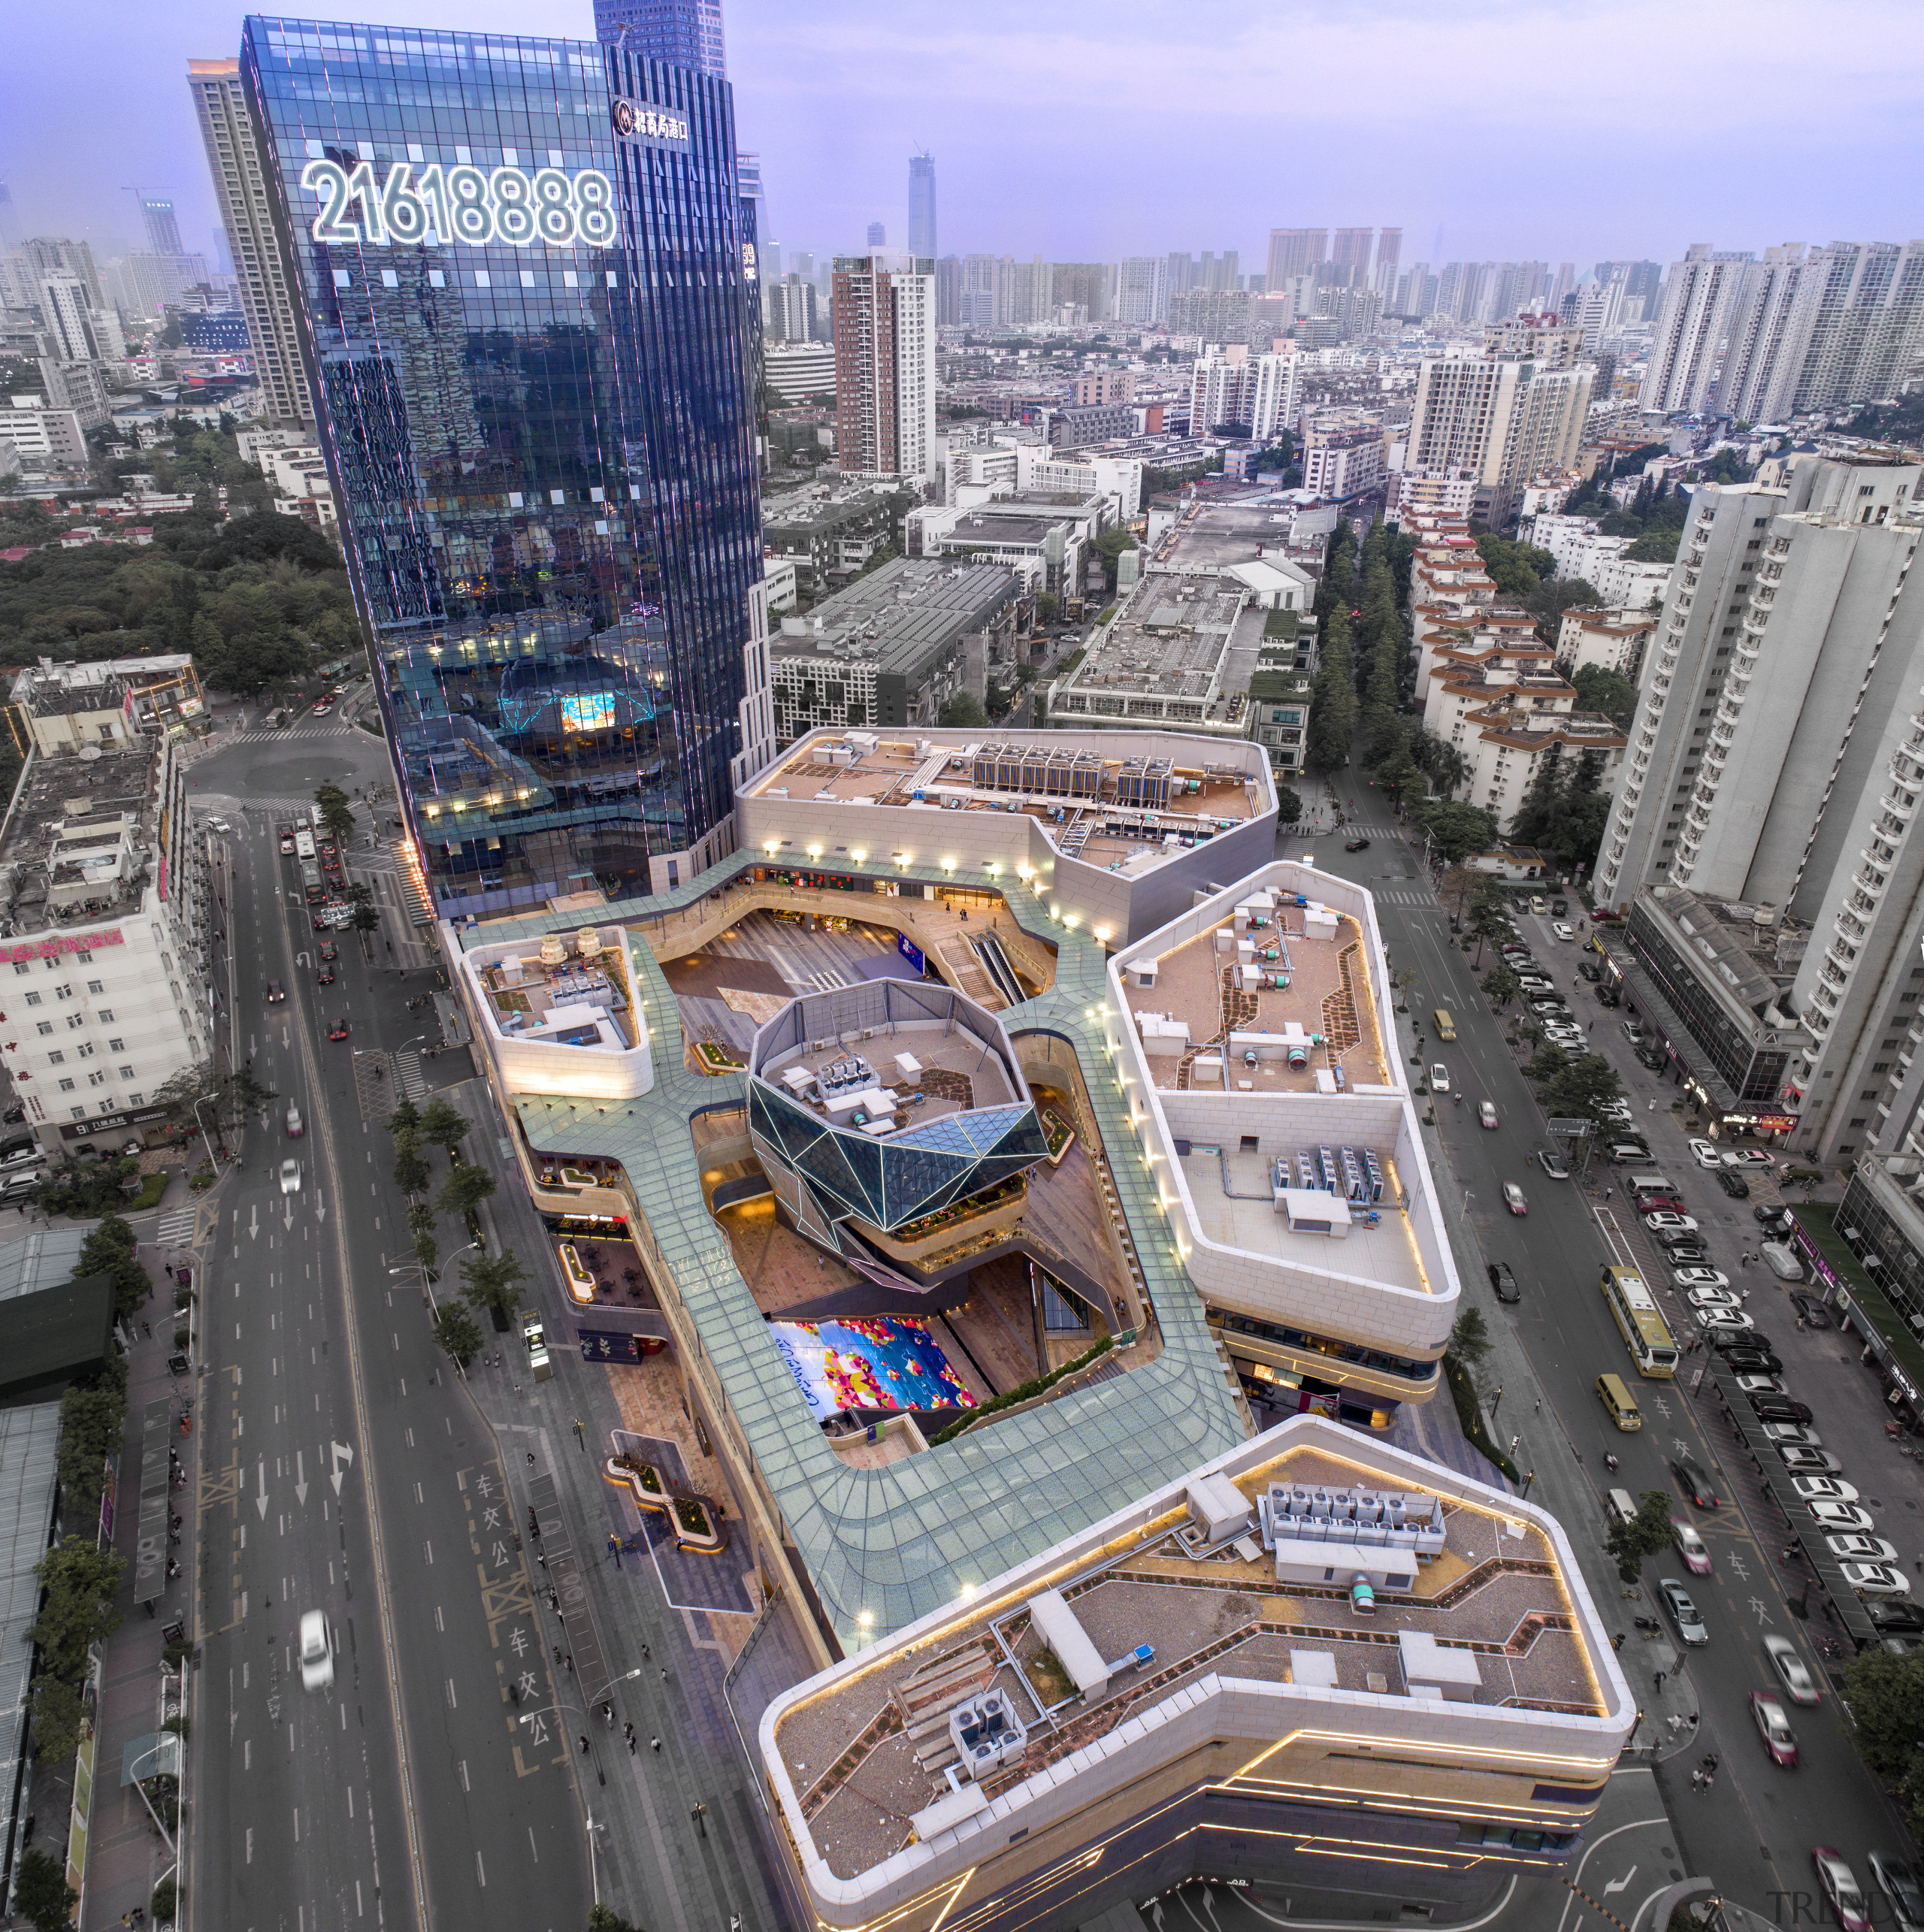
x,y
884,365
1513,412
1083,285
246,213
1142,292
73,329
1698,300
1295,252
682,33
1349,248
1855,330
1389,253
788,310
530,334
41,255
1257,393
163,230
877,236
921,205
1759,332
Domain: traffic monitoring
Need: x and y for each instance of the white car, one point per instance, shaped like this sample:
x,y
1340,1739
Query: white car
x,y
1747,1157
1439,1078
1823,1489
1663,1221
1876,1579
220,825
1699,1277
1841,1516
1706,1153
1724,1318
1761,1384
1712,1298
1865,1548
316,1652
1789,1665
290,1177
1563,931
1782,1260
1802,1434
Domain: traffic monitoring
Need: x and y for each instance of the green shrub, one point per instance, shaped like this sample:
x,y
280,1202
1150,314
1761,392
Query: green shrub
x,y
1025,1392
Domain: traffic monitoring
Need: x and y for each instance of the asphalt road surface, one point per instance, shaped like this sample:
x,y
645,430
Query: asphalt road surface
x,y
1753,1832
342,1469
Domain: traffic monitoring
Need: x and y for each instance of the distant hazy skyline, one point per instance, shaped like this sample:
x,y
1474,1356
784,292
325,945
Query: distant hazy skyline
x,y
1571,132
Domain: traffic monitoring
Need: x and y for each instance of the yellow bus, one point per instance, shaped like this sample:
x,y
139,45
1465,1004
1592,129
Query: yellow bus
x,y
1635,1307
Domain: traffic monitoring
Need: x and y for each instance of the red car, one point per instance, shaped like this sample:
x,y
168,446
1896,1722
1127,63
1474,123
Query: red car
x,y
1773,1727
1841,1889
1512,1198
338,1031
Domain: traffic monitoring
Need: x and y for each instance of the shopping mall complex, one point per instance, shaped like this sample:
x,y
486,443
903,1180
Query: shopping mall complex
x,y
1002,1163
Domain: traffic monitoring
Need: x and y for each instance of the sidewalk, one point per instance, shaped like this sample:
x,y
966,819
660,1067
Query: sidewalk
x,y
125,1856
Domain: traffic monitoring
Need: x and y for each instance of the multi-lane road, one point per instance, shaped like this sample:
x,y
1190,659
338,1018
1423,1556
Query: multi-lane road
x,y
341,1468
1753,1831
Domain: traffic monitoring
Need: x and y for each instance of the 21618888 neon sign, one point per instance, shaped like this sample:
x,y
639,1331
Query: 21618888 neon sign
x,y
463,203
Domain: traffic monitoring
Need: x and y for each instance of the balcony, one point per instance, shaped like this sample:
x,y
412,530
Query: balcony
x,y
1900,804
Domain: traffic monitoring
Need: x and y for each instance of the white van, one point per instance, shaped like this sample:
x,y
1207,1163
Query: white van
x,y
1651,1183
1619,1507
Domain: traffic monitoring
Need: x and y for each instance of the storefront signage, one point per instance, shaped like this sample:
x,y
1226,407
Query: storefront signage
x,y
911,952
112,1123
47,949
635,120
464,204
1879,1346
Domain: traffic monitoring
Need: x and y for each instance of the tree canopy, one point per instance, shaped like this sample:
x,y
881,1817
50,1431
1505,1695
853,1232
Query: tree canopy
x,y
1456,830
1648,1533
1887,1695
1601,689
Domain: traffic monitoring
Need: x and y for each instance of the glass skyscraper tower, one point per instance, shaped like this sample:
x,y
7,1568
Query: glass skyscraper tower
x,y
528,302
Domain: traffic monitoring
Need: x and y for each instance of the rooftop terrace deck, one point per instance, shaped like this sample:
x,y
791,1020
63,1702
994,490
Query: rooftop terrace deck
x,y
868,1752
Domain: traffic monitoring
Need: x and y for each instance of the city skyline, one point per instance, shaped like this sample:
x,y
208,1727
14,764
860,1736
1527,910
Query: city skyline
x,y
919,84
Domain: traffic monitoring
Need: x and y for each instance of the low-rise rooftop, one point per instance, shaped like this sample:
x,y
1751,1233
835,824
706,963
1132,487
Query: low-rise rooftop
x,y
902,616
79,840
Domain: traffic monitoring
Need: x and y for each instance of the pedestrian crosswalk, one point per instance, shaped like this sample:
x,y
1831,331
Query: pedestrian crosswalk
x,y
176,1225
407,1073
826,982
1395,895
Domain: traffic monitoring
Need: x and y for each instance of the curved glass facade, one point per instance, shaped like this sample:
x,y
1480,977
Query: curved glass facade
x,y
527,297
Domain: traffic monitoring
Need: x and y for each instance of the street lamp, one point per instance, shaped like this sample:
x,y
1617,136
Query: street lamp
x,y
1529,1477
212,1139
1497,1404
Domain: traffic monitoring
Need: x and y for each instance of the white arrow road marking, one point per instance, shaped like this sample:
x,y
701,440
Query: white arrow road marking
x,y
340,1451
254,1221
261,1500
1622,1884
300,1478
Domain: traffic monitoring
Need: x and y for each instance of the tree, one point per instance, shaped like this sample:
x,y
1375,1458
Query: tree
x,y
1499,986
962,713
41,1894
198,1095
428,1252
1333,701
1886,1696
1289,807
1469,1340
81,1583
56,1719
421,1217
1553,598
1648,1533
1547,1063
1598,688
1113,541
605,1919
110,1250
411,1172
458,1333
465,1190
1517,570
1456,830
337,814
1582,1089
93,1421
405,1118
443,1126
488,1283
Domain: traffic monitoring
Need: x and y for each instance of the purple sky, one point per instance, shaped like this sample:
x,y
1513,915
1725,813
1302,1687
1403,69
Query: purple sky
x,y
1591,128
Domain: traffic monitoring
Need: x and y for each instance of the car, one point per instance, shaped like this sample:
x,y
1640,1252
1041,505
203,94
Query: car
x,y
1896,1616
1627,1148
1801,1433
1563,931
1725,1318
277,993
1553,1163
1771,1213
290,1177
1633,1030
325,976
1772,1408
1863,1547
1808,1462
1699,1277
1780,1740
1558,907
325,705
1697,1485
1839,1885
1899,1884
220,825
1752,1361
1841,1516
1664,1218
1690,1249
1548,1004
316,1652
1659,1204
1734,1185
338,1031
329,951
1751,1340
1650,1057
1816,1315
296,1126
1617,1112
15,1114
1503,1279
1823,1489
1690,1627
1692,1547
1748,1157
1512,1198
1781,1259
1439,1078
1760,1384
1486,1114
1792,1672
1356,845
287,844
1712,1298
1590,970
